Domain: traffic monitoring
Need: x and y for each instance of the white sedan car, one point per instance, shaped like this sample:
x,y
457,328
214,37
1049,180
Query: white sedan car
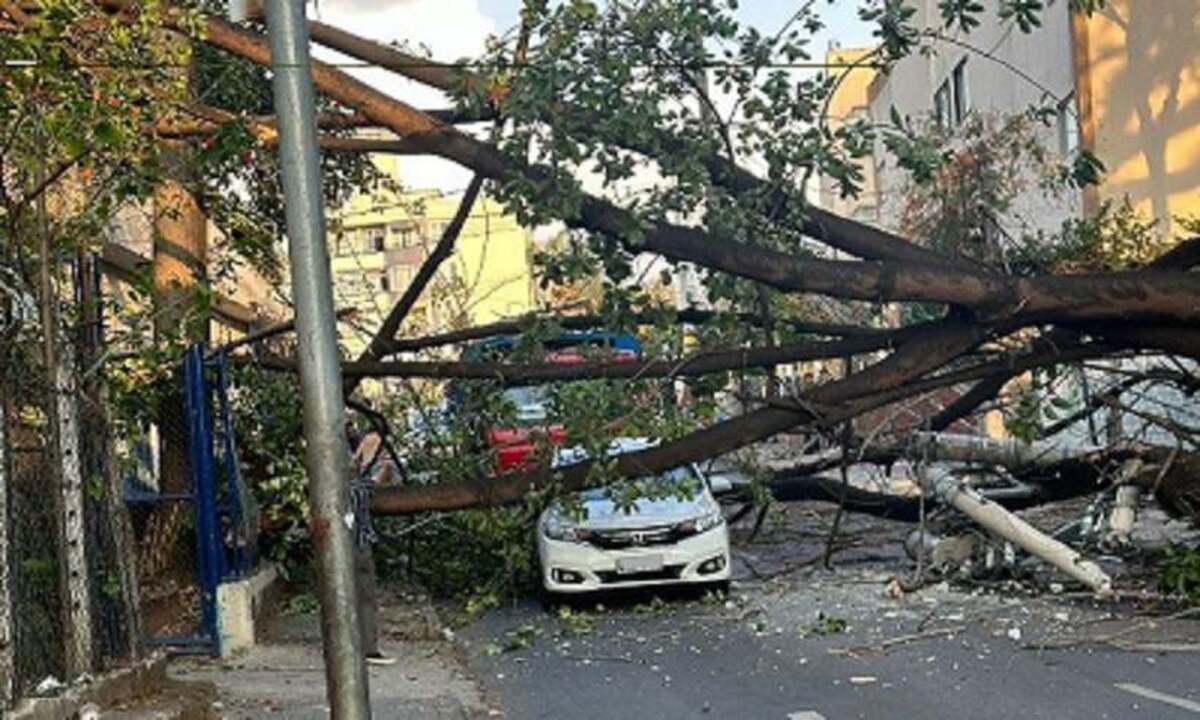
x,y
673,534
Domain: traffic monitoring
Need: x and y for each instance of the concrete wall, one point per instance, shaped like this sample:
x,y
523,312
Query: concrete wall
x,y
243,607
1140,104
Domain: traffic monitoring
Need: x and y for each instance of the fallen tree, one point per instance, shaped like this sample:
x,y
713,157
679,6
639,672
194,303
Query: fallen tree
x,y
986,303
752,232
1048,472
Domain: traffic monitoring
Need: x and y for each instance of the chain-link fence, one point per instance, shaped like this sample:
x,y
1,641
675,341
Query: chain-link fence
x,y
34,597
67,604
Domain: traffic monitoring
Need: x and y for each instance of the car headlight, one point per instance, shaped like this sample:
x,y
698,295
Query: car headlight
x,y
558,528
702,523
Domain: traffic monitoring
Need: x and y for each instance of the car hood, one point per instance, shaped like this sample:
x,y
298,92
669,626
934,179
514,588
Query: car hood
x,y
603,514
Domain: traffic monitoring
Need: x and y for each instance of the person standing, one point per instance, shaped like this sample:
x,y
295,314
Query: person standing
x,y
368,468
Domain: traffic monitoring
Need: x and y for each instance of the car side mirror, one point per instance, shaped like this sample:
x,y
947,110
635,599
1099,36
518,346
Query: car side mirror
x,y
719,484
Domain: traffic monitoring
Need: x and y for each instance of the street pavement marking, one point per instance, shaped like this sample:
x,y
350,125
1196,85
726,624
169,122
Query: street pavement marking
x,y
806,715
1160,696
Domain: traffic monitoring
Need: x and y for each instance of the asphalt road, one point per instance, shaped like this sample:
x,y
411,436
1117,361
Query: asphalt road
x,y
696,660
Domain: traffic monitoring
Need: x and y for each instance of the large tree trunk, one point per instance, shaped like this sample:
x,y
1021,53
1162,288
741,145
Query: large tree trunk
x,y
179,268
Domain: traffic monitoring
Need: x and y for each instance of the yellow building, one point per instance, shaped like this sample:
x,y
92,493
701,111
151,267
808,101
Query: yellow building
x,y
1138,91
379,241
852,70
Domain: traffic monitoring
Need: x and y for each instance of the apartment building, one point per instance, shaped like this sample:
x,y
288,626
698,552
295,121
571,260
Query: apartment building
x,y
378,241
1123,83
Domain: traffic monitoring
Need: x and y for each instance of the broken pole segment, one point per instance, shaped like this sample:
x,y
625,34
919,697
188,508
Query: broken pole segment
x,y
326,453
994,518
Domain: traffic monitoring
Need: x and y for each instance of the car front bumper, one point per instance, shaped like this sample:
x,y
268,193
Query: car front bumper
x,y
569,567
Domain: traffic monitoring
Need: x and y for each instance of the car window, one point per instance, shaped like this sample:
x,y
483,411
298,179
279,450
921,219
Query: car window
x,y
680,482
526,396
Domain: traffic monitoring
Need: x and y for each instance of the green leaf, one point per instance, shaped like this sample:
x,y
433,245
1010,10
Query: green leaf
x,y
73,144
960,12
1086,169
1026,13
106,133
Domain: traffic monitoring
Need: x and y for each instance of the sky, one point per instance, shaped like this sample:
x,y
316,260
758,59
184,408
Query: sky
x,y
454,29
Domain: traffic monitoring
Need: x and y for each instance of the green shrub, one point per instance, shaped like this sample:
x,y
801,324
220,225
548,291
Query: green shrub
x,y
1180,572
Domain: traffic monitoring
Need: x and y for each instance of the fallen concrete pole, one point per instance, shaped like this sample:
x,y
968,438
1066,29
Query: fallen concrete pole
x,y
1124,512
1003,523
1124,515
1010,452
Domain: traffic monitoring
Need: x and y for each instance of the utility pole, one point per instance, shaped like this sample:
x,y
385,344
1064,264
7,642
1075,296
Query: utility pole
x,y
326,453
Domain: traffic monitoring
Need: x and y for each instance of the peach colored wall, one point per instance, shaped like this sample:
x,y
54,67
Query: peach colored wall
x,y
1141,113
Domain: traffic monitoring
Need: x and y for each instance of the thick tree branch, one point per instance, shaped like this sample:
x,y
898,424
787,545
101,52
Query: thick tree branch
x,y
968,402
842,233
589,322
937,344
788,486
1055,474
700,364
1003,367
798,486
264,126
1184,256
1168,338
1150,294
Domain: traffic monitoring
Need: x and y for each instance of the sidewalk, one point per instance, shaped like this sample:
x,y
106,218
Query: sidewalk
x,y
284,678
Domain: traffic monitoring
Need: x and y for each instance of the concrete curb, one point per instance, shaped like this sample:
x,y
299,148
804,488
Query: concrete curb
x,y
243,607
142,679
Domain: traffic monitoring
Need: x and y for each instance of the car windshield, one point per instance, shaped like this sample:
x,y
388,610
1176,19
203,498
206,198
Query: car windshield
x,y
529,402
679,483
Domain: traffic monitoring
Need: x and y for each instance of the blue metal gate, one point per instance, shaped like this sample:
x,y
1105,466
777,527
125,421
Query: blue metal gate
x,y
225,514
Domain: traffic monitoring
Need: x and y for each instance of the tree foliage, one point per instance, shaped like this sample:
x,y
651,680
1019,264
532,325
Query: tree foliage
x,y
663,105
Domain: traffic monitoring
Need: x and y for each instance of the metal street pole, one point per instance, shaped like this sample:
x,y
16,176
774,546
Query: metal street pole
x,y
326,453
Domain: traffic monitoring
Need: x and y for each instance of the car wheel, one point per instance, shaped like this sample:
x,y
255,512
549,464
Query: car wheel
x,y
721,587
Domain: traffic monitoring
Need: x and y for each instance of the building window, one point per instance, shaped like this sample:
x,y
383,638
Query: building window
x,y
349,242
405,234
385,282
952,101
372,239
1068,126
369,239
962,97
941,105
401,276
